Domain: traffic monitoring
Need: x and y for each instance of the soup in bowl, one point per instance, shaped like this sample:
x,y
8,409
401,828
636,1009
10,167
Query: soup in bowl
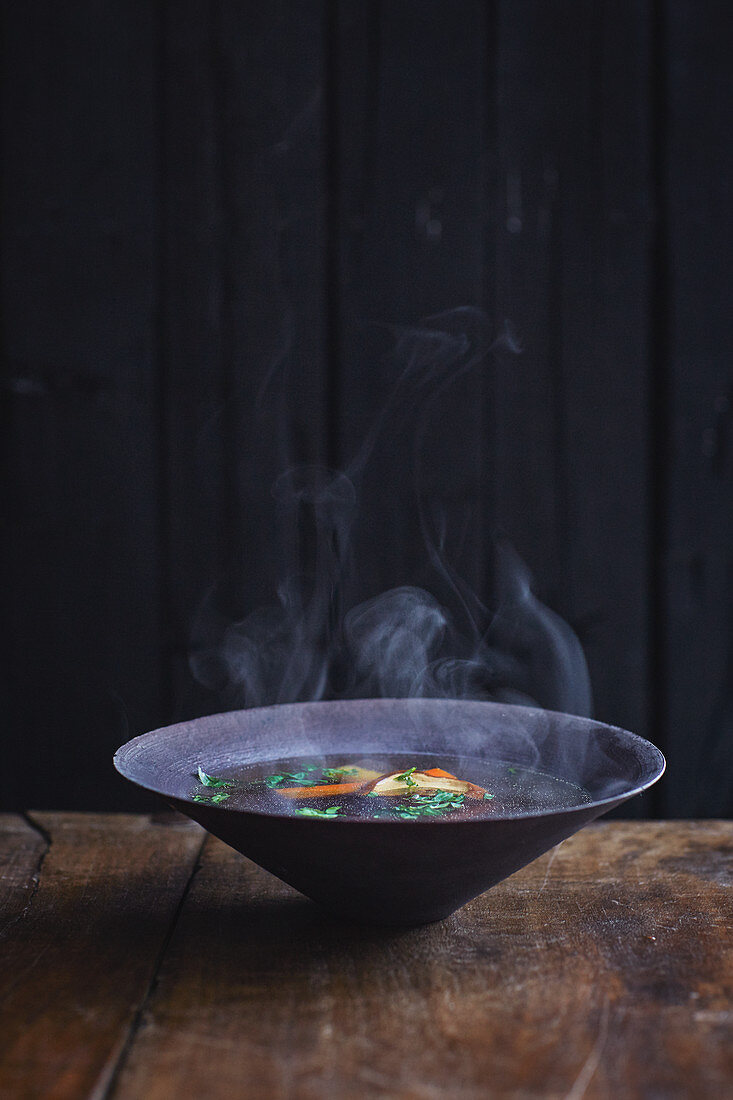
x,y
395,811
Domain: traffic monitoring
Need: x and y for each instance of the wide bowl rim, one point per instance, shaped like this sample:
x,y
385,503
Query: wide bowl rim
x,y
647,752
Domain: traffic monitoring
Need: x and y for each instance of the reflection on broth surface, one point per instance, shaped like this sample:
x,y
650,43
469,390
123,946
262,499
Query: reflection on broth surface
x,y
387,786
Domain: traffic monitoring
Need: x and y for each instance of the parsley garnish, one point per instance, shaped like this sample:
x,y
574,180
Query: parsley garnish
x,y
211,780
211,798
290,777
335,775
435,805
487,795
330,813
406,777
512,771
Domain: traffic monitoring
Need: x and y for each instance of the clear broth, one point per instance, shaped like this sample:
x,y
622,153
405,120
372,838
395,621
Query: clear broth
x,y
512,790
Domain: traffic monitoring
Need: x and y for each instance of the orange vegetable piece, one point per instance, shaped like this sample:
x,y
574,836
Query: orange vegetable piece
x,y
321,792
439,773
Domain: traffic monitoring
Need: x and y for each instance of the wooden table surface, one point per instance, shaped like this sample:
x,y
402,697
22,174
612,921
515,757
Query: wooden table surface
x,y
141,958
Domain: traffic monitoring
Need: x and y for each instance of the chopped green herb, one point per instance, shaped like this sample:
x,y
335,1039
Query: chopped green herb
x,y
211,798
406,777
290,777
330,813
487,795
336,775
512,771
211,780
435,805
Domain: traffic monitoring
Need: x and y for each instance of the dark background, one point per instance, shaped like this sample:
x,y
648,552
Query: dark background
x,y
208,211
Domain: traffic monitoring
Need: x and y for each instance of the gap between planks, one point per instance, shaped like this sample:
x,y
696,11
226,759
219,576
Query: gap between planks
x,y
110,1075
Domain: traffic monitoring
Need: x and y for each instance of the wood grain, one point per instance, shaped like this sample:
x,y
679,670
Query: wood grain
x,y
77,962
410,178
243,320
605,969
209,210
80,649
194,374
22,850
697,597
572,272
272,105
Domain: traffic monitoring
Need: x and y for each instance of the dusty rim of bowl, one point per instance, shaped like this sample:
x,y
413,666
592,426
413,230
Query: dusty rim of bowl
x,y
170,754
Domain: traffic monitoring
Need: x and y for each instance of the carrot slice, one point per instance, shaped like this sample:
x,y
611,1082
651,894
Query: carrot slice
x,y
473,790
321,792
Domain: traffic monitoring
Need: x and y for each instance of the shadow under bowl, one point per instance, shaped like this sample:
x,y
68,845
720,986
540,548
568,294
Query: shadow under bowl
x,y
393,871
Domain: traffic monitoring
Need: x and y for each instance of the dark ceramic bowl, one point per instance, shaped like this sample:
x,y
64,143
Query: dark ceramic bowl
x,y
394,871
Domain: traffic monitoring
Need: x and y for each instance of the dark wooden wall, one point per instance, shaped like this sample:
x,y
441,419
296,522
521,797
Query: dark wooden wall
x,y
209,212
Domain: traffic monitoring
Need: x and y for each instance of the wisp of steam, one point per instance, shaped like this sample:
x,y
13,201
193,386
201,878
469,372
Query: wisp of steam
x,y
309,644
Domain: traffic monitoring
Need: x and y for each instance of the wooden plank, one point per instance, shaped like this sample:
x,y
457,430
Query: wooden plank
x,y
22,850
80,658
573,274
698,564
603,969
411,111
194,375
244,314
78,964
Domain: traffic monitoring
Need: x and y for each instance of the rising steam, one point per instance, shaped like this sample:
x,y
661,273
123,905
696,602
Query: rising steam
x,y
307,645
